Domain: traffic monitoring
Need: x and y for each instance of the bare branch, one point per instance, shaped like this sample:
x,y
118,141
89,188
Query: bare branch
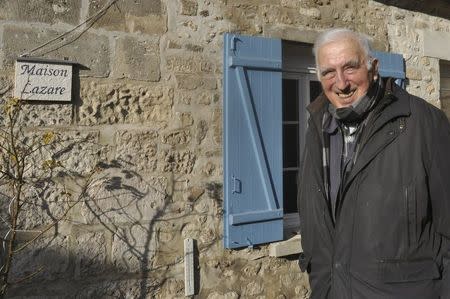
x,y
28,276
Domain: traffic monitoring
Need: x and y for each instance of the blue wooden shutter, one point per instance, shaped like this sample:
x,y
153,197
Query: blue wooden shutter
x,y
253,203
391,65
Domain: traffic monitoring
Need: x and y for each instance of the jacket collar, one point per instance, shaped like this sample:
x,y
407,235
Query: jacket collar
x,y
394,104
317,109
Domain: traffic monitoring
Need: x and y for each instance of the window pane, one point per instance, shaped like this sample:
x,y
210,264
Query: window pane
x,y
290,145
290,191
445,102
290,100
314,90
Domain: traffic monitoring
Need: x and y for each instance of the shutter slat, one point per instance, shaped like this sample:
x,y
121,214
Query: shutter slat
x,y
255,216
256,63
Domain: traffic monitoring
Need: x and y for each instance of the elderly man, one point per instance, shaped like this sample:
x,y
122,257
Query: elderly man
x,y
374,192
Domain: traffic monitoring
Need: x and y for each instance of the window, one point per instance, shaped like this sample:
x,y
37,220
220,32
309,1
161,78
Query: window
x,y
444,67
300,87
262,144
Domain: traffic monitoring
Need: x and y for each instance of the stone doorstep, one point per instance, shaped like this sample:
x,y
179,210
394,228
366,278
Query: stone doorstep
x,y
284,248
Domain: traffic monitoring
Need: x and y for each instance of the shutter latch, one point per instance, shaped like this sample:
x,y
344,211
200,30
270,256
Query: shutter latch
x,y
237,185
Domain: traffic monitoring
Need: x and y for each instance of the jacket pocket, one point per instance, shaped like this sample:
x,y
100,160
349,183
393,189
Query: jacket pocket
x,y
392,271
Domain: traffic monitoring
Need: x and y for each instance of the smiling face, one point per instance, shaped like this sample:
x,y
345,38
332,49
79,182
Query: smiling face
x,y
343,71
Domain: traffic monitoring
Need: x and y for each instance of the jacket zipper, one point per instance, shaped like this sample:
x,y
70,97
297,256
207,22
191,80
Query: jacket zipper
x,y
408,241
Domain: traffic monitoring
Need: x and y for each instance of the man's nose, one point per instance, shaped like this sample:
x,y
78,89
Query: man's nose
x,y
341,80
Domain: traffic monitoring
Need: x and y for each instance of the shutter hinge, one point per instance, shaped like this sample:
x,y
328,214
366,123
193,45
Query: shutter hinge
x,y
249,244
233,43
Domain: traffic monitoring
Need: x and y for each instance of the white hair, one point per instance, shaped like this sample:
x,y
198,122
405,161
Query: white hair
x,y
337,34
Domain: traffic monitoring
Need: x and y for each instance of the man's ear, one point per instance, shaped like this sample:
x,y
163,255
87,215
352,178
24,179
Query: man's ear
x,y
375,65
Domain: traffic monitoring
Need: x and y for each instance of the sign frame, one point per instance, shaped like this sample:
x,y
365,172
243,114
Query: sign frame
x,y
39,79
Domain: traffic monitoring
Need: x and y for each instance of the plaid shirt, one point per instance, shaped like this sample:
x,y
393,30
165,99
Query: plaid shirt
x,y
340,144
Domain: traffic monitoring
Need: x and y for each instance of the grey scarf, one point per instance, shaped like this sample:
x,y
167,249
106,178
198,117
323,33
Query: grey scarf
x,y
356,112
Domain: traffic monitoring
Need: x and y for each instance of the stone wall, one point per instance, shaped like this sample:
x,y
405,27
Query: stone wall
x,y
406,36
143,135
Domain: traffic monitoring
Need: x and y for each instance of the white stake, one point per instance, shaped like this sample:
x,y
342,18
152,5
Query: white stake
x,y
189,289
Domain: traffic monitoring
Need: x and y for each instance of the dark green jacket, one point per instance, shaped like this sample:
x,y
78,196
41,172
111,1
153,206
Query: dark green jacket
x,y
391,238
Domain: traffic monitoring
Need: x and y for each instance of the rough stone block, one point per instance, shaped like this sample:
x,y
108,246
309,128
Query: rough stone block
x,y
290,3
125,103
127,289
178,161
302,291
134,248
208,169
52,163
217,126
47,258
291,33
188,7
290,278
123,196
195,193
41,11
172,288
95,56
430,88
131,16
176,137
183,64
201,130
194,48
190,64
137,59
90,249
44,203
251,269
183,119
173,44
197,97
413,73
46,115
6,85
311,12
204,206
137,149
66,152
229,295
253,289
32,114
191,82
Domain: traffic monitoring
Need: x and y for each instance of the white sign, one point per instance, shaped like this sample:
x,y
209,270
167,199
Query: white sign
x,y
43,81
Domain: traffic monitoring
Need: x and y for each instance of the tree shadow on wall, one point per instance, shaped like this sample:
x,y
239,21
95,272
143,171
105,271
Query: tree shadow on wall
x,y
129,208
143,218
118,243
124,209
